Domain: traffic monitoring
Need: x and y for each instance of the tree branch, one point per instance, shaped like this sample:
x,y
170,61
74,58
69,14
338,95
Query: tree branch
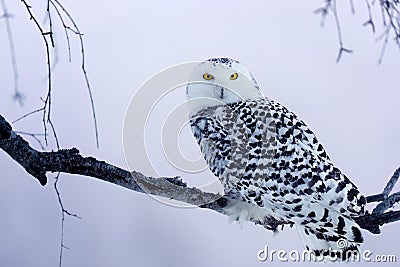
x,y
48,99
390,13
71,161
18,95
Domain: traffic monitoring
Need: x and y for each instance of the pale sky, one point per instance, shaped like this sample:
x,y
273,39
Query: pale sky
x,y
351,106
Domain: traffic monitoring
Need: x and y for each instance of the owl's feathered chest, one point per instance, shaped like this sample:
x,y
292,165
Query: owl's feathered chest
x,y
234,140
214,142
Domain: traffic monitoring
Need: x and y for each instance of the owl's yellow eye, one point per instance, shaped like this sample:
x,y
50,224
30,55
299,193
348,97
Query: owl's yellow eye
x,y
207,76
234,76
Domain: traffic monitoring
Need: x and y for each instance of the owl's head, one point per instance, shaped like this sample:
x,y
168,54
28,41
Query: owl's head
x,y
218,81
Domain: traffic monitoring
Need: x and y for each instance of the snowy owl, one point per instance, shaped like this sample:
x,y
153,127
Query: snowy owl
x,y
269,161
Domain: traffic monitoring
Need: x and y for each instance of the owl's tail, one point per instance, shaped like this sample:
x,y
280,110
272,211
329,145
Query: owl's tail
x,y
333,237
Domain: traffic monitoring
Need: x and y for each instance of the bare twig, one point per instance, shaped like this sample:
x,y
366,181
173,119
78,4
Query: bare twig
x,y
387,201
352,8
64,212
47,101
50,32
18,96
48,19
390,13
65,29
330,5
339,32
34,136
28,114
53,129
391,18
46,109
379,215
392,182
386,191
83,66
370,20
324,11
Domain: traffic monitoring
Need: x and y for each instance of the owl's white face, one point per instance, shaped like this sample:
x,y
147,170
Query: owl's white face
x,y
220,81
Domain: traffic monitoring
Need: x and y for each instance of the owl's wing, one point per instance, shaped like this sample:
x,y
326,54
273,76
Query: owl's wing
x,y
308,161
321,199
289,125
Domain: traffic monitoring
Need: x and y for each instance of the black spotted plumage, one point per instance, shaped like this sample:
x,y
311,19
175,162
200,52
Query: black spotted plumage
x,y
265,155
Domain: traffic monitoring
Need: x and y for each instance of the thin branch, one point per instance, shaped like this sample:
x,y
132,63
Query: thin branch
x,y
379,215
63,213
339,33
83,66
18,96
370,20
47,101
70,161
352,8
28,114
391,18
65,29
46,109
53,129
34,136
392,182
330,5
385,36
324,11
387,203
390,13
48,18
50,32
386,191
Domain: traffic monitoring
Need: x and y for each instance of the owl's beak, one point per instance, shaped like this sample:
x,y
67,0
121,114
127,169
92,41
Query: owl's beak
x,y
220,92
